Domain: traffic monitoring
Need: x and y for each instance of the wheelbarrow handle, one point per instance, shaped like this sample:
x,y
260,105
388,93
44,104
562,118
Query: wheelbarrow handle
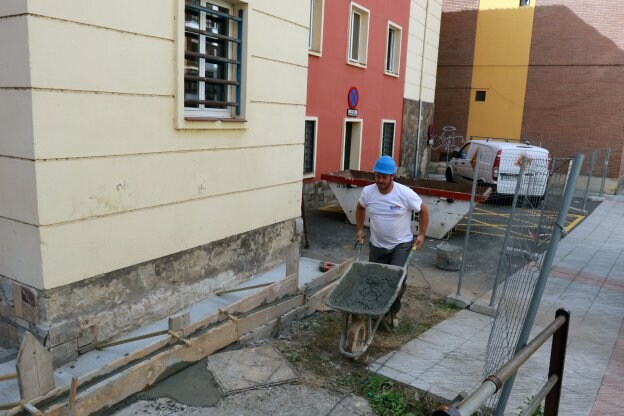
x,y
358,248
409,256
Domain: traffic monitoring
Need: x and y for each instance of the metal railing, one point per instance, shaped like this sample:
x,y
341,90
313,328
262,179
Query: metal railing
x,y
550,391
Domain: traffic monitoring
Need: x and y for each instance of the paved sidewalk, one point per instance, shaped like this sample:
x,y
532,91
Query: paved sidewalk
x,y
587,278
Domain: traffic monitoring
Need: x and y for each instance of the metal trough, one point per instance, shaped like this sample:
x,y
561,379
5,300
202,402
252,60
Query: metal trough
x,y
448,202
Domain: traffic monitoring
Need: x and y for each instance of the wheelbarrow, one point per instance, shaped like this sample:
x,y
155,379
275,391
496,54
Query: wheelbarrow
x,y
364,295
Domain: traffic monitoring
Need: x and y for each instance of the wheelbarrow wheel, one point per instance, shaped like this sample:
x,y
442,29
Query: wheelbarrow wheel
x,y
357,335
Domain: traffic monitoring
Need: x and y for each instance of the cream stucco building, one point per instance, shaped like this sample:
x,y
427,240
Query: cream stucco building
x,y
150,153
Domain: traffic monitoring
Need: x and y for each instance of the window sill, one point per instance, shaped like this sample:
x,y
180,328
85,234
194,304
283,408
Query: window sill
x,y
391,74
315,53
356,64
309,175
212,123
225,120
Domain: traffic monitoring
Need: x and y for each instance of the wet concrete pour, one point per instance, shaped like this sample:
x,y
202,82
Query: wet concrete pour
x,y
193,386
249,378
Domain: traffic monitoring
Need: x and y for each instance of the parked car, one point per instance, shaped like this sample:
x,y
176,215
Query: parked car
x,y
499,166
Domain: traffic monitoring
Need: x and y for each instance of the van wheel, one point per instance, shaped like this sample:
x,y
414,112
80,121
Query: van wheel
x,y
449,175
535,201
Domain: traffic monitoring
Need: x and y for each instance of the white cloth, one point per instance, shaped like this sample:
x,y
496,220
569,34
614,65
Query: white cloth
x,y
390,214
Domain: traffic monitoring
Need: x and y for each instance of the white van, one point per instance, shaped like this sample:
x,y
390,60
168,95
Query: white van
x,y
499,166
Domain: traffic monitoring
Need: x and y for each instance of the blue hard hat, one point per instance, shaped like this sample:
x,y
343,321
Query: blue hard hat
x,y
385,165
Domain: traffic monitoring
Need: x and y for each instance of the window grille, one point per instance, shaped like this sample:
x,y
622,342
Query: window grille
x,y
387,143
308,147
212,59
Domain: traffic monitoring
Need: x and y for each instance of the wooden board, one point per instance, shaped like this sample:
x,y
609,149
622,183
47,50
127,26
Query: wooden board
x,y
252,321
145,374
327,277
277,290
35,372
269,294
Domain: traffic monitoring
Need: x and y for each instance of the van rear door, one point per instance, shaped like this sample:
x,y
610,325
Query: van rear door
x,y
535,174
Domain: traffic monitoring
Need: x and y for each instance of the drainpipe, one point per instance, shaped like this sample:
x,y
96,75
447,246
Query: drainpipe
x,y
420,88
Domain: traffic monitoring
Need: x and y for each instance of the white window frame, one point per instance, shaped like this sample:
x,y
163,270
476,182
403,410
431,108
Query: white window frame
x,y
362,40
381,136
211,118
393,52
316,124
360,123
315,36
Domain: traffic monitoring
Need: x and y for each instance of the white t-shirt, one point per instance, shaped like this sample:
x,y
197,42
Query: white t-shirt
x,y
390,214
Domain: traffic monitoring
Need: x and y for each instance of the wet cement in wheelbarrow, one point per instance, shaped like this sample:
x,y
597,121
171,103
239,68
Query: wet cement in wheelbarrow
x,y
367,289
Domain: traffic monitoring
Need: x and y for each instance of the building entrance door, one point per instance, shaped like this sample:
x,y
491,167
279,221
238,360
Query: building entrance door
x,y
352,144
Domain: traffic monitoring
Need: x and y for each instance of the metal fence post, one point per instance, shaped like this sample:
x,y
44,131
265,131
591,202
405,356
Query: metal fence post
x,y
543,276
467,236
499,270
557,362
605,171
589,176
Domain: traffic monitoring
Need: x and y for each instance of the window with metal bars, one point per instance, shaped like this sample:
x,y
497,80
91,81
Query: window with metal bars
x,y
387,138
212,60
308,146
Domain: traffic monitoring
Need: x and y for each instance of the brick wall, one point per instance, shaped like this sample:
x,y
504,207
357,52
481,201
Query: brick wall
x,y
457,36
574,96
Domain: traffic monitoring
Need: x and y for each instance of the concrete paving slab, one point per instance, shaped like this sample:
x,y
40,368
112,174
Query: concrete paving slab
x,y
250,368
439,340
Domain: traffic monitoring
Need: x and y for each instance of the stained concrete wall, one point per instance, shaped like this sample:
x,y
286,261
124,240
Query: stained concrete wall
x,y
420,83
422,49
414,160
100,172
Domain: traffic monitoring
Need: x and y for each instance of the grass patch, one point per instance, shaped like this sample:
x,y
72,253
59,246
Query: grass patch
x,y
311,346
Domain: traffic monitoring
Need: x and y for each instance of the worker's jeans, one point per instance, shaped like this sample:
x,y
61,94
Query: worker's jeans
x,y
395,256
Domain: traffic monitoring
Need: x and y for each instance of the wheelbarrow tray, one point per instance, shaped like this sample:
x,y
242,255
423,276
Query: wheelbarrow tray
x,y
367,288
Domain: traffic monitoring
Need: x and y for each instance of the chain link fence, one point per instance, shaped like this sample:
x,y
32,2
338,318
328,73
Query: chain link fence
x,y
526,224
509,236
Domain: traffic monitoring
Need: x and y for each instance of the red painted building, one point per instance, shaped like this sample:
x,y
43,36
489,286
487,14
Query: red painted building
x,y
361,45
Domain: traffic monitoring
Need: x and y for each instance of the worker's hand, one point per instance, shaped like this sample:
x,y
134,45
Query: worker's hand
x,y
418,242
359,236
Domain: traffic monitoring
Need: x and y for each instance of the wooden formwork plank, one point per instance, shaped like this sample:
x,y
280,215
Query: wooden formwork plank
x,y
317,301
142,375
327,277
99,373
280,323
146,373
269,294
293,257
252,321
35,372
277,290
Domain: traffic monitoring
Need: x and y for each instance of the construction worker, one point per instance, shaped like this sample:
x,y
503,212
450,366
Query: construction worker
x,y
389,205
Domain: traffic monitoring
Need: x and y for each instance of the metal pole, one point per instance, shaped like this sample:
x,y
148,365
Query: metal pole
x,y
557,363
493,383
467,236
543,276
589,176
501,260
545,200
420,98
605,171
